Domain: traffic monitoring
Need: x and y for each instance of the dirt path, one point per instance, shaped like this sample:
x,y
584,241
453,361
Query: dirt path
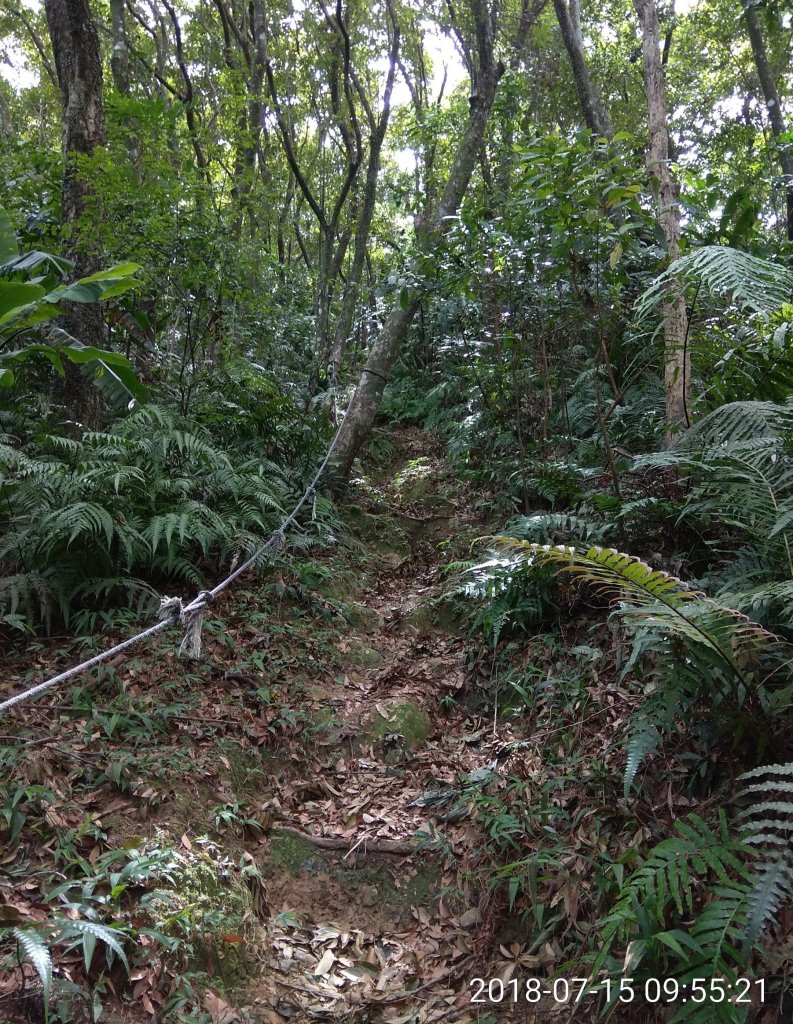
x,y
372,908
326,738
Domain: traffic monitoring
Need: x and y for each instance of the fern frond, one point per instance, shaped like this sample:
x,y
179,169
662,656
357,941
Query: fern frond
x,y
736,422
663,601
37,951
755,285
769,822
91,930
772,884
670,877
644,739
558,525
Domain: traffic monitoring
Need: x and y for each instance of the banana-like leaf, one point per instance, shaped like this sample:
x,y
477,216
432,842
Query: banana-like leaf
x,y
51,265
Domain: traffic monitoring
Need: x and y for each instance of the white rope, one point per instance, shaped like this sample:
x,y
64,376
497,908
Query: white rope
x,y
83,666
172,609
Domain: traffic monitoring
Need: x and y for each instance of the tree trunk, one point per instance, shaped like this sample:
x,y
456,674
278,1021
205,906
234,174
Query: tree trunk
x,y
119,65
364,405
75,46
771,97
119,60
677,362
591,104
363,227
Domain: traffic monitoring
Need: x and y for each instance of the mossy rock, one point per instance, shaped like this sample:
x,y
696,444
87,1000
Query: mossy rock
x,y
406,720
422,889
364,657
416,480
290,854
433,616
361,617
205,898
379,533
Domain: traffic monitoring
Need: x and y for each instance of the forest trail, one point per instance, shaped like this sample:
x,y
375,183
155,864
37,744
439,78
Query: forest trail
x,y
297,808
376,913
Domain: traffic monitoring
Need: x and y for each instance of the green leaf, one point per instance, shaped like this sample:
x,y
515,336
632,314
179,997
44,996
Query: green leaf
x,y
89,945
121,270
6,378
110,370
32,313
92,289
676,939
14,294
46,350
56,265
119,380
98,931
77,292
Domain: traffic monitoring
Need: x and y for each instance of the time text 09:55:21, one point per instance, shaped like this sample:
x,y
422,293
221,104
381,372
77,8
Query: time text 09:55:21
x,y
624,990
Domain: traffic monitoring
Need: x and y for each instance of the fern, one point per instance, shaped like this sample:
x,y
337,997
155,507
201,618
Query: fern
x,y
769,821
37,951
755,285
661,601
718,655
558,526
152,497
741,474
738,421
645,736
86,933
696,868
513,594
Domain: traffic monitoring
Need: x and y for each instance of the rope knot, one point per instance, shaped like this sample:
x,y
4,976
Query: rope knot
x,y
171,608
277,541
190,646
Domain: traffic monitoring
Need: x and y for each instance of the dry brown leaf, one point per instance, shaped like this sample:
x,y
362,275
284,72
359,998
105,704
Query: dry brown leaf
x,y
218,1009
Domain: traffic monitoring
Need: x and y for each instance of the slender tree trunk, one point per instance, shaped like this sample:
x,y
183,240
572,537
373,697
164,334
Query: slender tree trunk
x,y
119,59
119,65
383,354
363,227
771,97
677,362
591,103
78,64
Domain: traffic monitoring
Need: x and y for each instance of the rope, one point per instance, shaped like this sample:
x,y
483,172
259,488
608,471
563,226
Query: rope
x,y
172,610
374,373
83,666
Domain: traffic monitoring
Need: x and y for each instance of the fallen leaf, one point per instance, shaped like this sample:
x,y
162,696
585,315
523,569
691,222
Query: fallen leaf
x,y
218,1009
325,963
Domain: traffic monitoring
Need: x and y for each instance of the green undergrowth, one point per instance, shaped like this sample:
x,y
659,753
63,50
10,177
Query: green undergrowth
x,y
638,647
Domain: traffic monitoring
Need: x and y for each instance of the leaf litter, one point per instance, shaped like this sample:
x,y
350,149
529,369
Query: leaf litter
x,y
299,733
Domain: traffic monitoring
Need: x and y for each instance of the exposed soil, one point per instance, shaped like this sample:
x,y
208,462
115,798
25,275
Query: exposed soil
x,y
388,928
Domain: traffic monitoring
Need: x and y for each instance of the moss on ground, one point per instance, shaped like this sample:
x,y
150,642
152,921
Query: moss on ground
x,y
406,720
362,656
289,853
